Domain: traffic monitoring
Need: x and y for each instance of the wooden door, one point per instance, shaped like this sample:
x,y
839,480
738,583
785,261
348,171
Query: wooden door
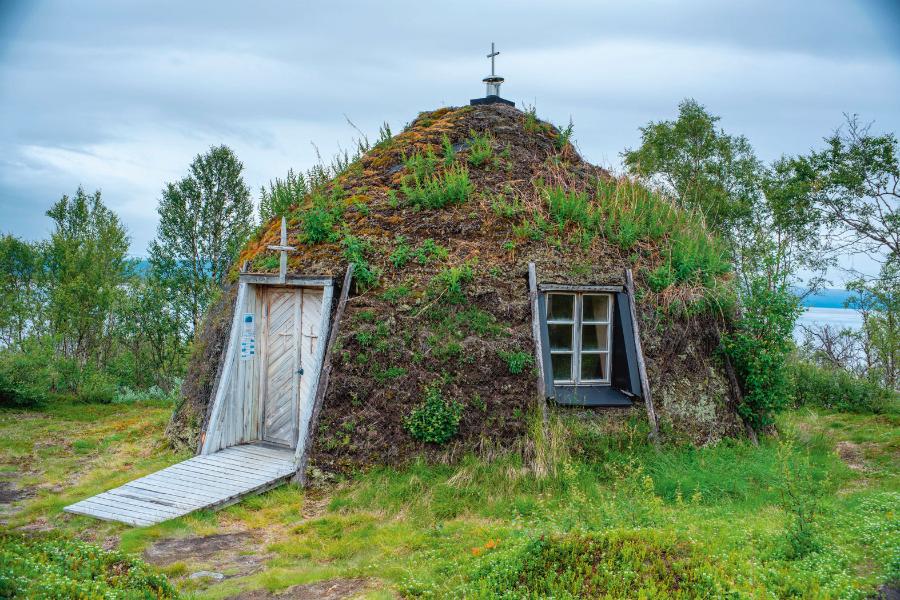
x,y
282,369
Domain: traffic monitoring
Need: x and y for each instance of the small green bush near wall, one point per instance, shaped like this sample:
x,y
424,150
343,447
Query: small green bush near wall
x,y
436,420
836,389
59,568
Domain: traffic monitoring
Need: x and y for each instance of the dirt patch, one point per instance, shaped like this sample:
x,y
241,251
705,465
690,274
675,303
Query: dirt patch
x,y
234,554
852,454
10,493
333,589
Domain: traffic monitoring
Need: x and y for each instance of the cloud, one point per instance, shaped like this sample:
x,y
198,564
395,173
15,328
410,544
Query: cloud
x,y
121,96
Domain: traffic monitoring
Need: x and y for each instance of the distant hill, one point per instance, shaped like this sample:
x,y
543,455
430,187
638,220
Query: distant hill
x,y
828,298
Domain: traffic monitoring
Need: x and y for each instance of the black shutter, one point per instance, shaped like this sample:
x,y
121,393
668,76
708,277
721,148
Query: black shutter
x,y
624,353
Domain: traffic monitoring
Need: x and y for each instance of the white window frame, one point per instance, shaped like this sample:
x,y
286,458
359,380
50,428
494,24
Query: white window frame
x,y
576,324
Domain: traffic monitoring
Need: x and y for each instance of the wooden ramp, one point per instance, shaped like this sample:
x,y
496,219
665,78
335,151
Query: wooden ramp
x,y
210,481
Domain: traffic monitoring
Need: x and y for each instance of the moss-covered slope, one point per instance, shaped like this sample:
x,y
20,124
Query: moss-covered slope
x,y
441,222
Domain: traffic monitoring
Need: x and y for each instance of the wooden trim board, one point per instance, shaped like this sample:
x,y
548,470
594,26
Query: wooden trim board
x,y
642,367
324,374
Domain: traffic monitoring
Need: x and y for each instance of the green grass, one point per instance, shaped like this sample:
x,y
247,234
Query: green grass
x,y
626,213
591,491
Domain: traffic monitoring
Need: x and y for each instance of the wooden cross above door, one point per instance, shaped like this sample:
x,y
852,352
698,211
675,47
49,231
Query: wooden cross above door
x,y
284,249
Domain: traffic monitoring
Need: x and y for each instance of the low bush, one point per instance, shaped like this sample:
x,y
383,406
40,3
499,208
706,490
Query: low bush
x,y
53,567
614,564
480,149
437,191
517,361
96,386
759,347
317,222
436,420
836,389
25,379
449,282
355,250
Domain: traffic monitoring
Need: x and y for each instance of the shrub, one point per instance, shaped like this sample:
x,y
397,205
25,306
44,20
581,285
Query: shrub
x,y
614,564
836,389
429,250
438,191
317,222
449,282
421,165
448,150
436,420
759,346
564,135
25,378
355,250
52,567
96,386
480,150
402,251
517,360
660,278
504,207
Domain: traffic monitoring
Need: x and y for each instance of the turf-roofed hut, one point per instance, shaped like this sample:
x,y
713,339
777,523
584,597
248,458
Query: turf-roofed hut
x,y
488,286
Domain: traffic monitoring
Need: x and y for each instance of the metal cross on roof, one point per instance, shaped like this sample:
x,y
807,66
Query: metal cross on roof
x,y
491,56
284,249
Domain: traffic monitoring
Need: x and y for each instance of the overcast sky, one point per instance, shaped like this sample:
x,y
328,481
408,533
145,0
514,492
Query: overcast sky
x,y
121,95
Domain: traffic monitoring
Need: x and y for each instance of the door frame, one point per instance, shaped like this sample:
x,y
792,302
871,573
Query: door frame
x,y
223,427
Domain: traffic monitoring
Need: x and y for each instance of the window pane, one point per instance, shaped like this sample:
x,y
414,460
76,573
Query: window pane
x,y
562,366
560,337
560,307
596,307
593,366
594,337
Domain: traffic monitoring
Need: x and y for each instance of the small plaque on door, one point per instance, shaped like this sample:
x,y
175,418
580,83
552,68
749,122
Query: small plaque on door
x,y
248,337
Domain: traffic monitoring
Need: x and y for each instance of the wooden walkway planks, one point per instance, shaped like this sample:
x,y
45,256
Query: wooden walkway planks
x,y
206,481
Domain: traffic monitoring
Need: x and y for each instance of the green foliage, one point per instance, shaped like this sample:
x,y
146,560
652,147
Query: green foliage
x,y
564,135
661,277
86,268
282,194
450,282
836,389
480,148
355,250
401,254
439,190
429,250
704,168
26,376
801,497
317,221
517,361
54,567
204,220
448,150
421,165
21,281
507,207
389,373
435,420
759,347
397,292
613,564
627,213
532,123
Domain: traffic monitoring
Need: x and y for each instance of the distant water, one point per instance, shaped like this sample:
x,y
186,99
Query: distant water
x,y
827,308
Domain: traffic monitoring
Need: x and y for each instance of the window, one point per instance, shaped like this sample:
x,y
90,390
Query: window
x,y
579,328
